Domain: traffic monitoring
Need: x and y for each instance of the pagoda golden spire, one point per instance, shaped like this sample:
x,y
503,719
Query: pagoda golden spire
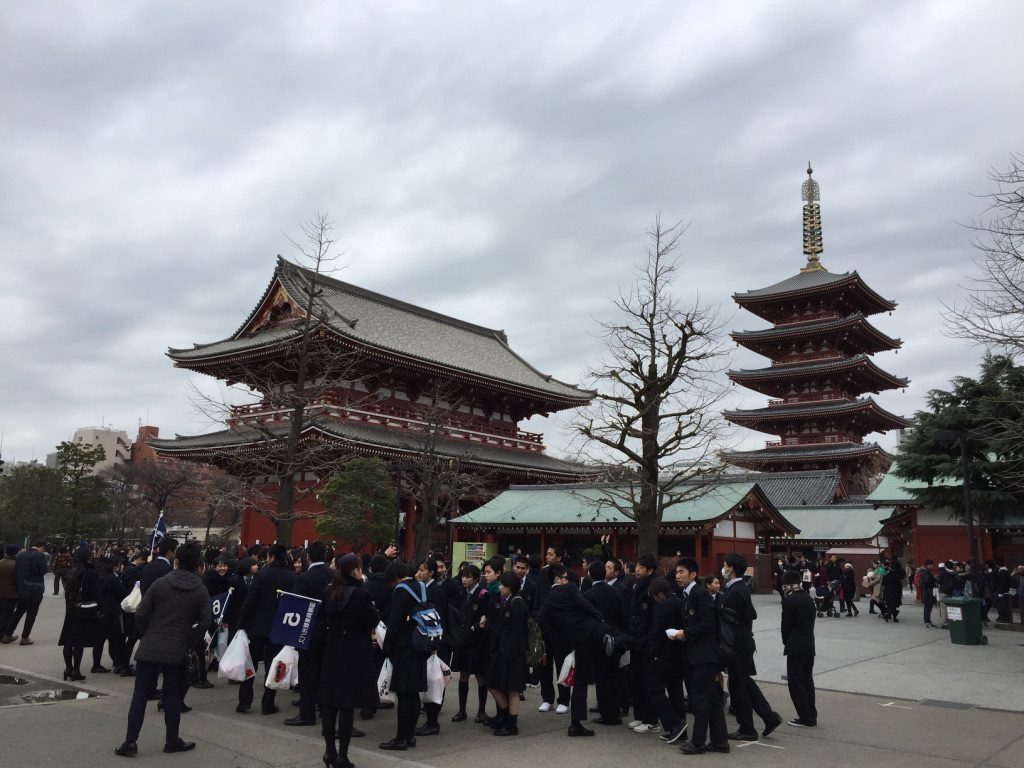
x,y
811,194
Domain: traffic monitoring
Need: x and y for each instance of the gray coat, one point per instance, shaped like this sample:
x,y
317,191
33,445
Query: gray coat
x,y
167,614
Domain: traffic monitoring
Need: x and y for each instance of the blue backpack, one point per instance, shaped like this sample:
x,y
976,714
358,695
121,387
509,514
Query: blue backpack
x,y
428,630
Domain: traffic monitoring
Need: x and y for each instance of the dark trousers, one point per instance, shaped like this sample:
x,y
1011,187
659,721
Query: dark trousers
x,y
309,679
261,649
1004,612
7,610
665,693
746,697
928,605
336,724
642,709
29,608
800,677
708,704
407,711
110,632
584,675
606,686
146,675
549,673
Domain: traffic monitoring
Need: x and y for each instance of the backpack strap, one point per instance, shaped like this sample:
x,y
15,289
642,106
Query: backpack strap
x,y
421,598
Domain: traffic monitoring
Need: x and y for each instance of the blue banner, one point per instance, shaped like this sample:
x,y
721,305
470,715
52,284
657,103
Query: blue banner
x,y
218,603
295,619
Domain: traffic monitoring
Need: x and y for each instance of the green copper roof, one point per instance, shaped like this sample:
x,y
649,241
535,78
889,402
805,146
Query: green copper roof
x,y
840,522
898,490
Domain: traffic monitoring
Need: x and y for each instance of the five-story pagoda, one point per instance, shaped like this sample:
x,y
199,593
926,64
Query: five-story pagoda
x,y
820,346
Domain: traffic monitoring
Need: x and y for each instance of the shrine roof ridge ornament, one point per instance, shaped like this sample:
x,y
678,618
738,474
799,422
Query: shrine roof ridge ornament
x,y
811,194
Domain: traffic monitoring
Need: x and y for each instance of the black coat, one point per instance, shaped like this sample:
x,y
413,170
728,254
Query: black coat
x,y
798,614
529,590
892,588
153,570
473,656
700,624
507,670
410,666
84,588
260,606
608,600
235,602
567,615
314,581
343,651
641,613
737,597
668,614
111,593
30,570
166,615
380,592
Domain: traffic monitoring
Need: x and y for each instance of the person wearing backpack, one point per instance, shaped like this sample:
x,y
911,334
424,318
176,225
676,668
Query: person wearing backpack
x,y
409,675
744,692
426,573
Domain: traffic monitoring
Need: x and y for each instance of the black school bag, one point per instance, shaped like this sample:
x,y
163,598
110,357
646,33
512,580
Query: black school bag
x,y
428,631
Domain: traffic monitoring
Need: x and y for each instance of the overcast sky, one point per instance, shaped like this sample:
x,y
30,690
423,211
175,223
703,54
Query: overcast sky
x,y
498,162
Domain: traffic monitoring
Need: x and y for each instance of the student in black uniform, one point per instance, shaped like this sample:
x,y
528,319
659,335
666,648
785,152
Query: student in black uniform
x,y
506,676
798,613
664,664
471,658
426,573
608,600
409,677
312,582
641,615
699,637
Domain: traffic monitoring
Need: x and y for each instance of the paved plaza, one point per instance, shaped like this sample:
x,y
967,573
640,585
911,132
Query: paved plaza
x,y
892,695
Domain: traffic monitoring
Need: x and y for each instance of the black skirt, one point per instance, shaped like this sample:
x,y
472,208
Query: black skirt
x,y
506,674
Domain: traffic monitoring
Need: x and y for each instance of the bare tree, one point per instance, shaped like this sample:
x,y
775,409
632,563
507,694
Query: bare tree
x,y
993,312
161,482
126,503
279,450
223,499
656,413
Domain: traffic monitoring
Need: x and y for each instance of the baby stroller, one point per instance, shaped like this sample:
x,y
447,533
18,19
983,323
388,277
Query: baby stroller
x,y
825,599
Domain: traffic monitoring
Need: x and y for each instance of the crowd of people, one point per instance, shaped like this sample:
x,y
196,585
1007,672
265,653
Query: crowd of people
x,y
658,643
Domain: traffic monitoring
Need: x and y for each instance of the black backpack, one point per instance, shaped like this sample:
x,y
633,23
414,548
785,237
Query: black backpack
x,y
727,632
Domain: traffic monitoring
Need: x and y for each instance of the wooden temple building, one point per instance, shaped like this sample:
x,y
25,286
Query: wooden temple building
x,y
398,357
820,345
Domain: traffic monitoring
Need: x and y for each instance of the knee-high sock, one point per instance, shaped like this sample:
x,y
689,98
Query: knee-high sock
x,y
463,694
481,694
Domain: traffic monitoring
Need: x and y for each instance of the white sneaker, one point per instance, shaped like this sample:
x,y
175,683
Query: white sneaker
x,y
544,707
634,723
647,728
561,709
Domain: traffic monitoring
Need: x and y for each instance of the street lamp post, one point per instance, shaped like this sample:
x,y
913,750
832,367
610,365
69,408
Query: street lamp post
x,y
960,436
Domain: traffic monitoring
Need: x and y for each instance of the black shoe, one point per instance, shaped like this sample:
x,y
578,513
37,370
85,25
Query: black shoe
x,y
594,710
203,684
428,730
506,730
458,717
481,717
243,708
270,711
797,722
299,721
329,759
99,669
357,734
723,748
184,707
128,749
772,724
410,743
607,721
738,736
492,722
394,744
687,748
577,729
386,705
671,737
180,746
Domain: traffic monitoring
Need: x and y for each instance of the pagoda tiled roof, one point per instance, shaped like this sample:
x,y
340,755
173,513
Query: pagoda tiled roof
x,y
833,451
814,328
815,281
793,489
832,365
818,408
374,440
390,326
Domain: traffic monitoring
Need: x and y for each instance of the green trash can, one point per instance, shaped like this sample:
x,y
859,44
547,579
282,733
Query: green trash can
x,y
964,615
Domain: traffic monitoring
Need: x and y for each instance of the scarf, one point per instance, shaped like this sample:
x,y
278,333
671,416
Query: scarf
x,y
494,589
789,589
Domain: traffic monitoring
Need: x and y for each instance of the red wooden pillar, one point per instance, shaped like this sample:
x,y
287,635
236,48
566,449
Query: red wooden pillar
x,y
543,545
410,527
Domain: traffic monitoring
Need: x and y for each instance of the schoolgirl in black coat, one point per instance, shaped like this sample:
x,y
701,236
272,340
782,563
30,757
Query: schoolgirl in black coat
x,y
506,676
472,657
409,673
79,631
111,593
343,652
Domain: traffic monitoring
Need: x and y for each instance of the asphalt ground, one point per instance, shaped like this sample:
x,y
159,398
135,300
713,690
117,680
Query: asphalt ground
x,y
889,694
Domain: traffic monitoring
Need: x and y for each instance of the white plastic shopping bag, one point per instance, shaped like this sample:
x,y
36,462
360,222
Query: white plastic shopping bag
x,y
567,676
384,683
379,632
438,677
284,670
236,663
131,603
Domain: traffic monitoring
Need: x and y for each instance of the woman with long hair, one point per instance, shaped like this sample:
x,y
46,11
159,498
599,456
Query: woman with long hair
x,y
343,651
81,613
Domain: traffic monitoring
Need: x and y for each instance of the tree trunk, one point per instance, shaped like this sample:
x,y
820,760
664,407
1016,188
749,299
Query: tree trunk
x,y
648,525
285,500
424,533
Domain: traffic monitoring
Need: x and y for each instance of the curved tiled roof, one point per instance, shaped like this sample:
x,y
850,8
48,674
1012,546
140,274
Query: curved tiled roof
x,y
391,326
833,365
373,440
812,281
813,451
815,328
784,410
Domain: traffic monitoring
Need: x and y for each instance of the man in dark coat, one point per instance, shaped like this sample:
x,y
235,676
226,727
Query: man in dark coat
x,y
557,648
529,587
166,617
609,603
566,614
798,613
409,674
699,635
746,695
927,584
311,583
257,619
892,591
161,565
30,569
641,617
663,664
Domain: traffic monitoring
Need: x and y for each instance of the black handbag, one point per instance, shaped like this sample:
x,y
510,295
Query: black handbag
x,y
87,611
192,671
